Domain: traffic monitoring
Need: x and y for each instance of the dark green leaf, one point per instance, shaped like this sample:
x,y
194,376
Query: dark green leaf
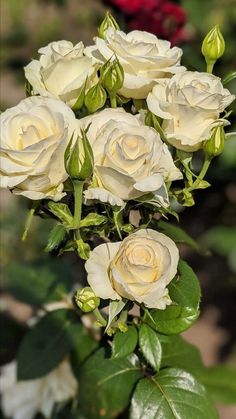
x,y
177,234
57,234
107,385
47,343
220,382
124,343
150,346
171,394
174,319
185,293
11,336
178,353
36,285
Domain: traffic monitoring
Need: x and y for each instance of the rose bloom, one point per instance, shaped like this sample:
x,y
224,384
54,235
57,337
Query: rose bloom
x,y
190,105
130,158
139,268
34,136
144,58
61,71
24,399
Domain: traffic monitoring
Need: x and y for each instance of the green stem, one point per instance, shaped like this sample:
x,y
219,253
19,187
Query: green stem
x,y
210,66
201,175
29,220
78,192
113,100
100,318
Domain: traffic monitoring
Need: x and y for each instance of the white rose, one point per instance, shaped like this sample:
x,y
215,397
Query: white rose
x,y
143,56
34,135
130,158
24,399
139,268
190,104
61,71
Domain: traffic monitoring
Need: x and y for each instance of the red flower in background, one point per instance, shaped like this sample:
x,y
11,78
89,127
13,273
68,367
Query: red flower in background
x,y
163,18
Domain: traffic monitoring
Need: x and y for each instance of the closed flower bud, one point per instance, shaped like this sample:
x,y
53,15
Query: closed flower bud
x,y
95,98
79,158
108,22
215,145
112,76
86,300
213,45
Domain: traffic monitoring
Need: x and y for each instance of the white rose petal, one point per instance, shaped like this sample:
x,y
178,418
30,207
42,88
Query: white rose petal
x,y
190,104
61,71
34,136
144,58
130,158
139,268
24,399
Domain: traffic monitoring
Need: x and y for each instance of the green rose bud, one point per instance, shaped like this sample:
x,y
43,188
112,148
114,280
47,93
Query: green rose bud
x,y
215,145
213,46
86,300
112,76
79,159
95,98
108,22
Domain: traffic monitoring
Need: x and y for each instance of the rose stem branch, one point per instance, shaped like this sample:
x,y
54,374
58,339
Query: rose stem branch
x,y
100,318
201,175
29,220
113,100
210,66
78,192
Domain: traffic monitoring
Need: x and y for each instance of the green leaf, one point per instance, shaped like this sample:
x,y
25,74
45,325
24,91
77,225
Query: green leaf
x,y
124,343
47,343
150,346
93,219
220,382
185,289
107,385
35,284
185,293
83,249
57,234
115,308
171,394
62,212
178,353
177,234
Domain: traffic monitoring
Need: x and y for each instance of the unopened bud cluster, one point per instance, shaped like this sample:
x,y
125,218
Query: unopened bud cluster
x,y
213,45
215,145
108,22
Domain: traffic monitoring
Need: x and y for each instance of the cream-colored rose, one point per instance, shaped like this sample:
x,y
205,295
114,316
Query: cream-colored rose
x,y
34,136
138,268
130,158
24,399
61,71
144,58
190,105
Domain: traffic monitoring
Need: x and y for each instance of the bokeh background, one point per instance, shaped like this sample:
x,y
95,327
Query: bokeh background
x,y
27,25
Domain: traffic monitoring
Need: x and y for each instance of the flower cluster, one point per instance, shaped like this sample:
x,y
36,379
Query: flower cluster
x,y
105,144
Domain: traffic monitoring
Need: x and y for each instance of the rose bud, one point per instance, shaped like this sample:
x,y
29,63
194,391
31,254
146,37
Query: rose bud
x,y
95,98
108,22
112,76
79,158
215,145
86,299
213,46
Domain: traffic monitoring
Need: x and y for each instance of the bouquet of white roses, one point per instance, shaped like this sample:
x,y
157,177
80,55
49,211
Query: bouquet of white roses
x,y
106,144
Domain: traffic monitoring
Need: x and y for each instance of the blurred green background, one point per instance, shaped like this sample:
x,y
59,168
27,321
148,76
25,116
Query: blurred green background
x,y
27,25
